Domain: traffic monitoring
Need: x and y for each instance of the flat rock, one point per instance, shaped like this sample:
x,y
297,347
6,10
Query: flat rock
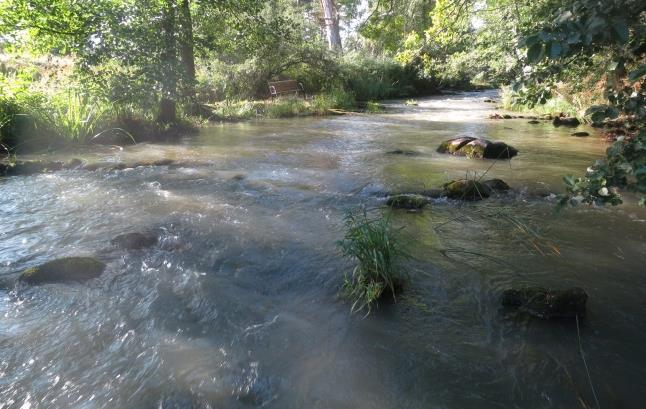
x,y
546,303
66,269
580,134
534,122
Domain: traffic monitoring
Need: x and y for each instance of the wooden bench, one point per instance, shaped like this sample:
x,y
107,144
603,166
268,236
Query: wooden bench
x,y
278,88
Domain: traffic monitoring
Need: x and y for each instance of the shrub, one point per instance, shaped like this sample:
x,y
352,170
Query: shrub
x,y
374,245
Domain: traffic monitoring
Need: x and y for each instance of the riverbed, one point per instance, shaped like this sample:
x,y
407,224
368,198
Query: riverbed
x,y
238,305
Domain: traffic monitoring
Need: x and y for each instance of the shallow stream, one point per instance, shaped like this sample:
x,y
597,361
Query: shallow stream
x,y
237,306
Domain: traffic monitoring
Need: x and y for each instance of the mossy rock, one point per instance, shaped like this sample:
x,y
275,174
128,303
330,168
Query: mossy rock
x,y
474,149
477,148
546,303
135,241
64,270
465,189
407,201
454,145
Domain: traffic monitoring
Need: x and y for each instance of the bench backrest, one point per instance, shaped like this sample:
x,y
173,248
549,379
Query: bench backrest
x,y
284,87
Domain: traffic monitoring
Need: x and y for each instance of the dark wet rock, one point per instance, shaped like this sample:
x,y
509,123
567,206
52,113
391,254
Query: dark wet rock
x,y
499,150
407,201
163,162
497,185
75,163
464,189
507,116
238,178
64,270
118,166
404,152
534,122
489,101
4,168
580,134
32,167
93,166
565,121
453,145
495,116
135,241
546,303
477,148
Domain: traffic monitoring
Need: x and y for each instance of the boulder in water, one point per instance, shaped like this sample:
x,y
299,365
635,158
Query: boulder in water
x,y
135,241
497,185
534,122
465,189
566,121
407,201
453,145
477,148
64,270
580,134
546,303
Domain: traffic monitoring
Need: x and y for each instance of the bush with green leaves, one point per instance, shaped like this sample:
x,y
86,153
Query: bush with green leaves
x,y
377,249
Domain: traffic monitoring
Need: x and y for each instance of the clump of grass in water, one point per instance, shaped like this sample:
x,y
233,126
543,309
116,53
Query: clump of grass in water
x,y
375,245
412,102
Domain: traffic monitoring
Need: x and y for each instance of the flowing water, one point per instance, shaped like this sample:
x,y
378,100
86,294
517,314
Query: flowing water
x,y
237,306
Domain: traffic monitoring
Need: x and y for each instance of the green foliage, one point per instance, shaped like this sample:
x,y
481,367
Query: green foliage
x,y
376,247
580,29
75,117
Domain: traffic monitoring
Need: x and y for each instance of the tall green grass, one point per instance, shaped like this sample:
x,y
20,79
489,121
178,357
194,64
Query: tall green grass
x,y
377,249
73,117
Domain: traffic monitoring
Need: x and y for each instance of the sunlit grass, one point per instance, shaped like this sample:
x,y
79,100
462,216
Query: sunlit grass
x,y
375,246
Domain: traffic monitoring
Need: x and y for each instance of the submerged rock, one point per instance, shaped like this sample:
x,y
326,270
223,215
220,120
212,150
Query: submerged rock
x,y
497,185
32,167
74,163
407,201
64,270
404,152
580,134
135,241
566,121
477,148
546,303
534,122
465,189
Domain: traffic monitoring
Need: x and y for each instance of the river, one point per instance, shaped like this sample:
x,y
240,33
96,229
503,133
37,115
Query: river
x,y
237,306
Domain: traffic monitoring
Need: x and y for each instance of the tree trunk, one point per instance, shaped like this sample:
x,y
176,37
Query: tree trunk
x,y
331,17
187,49
168,104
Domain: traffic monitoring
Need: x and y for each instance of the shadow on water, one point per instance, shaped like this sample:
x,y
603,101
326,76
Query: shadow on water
x,y
237,305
